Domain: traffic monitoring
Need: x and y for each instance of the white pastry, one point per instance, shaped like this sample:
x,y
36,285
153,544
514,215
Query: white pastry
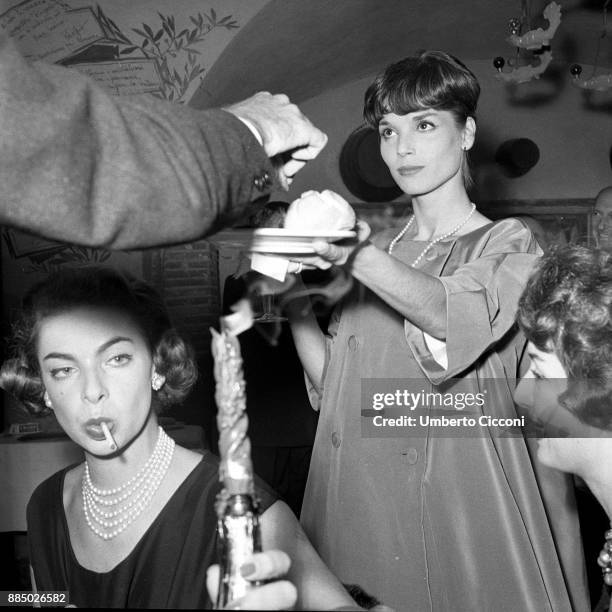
x,y
324,211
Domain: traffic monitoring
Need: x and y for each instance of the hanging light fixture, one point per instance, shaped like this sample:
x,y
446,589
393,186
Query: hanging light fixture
x,y
595,82
537,41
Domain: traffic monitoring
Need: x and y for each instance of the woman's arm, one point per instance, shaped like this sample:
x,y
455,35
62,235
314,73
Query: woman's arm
x,y
417,296
427,301
308,337
317,587
36,604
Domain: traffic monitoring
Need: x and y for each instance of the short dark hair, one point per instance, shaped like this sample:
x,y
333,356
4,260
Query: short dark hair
x,y
96,286
567,307
430,79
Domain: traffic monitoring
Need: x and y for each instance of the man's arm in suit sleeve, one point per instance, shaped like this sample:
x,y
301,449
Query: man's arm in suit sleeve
x,y
82,166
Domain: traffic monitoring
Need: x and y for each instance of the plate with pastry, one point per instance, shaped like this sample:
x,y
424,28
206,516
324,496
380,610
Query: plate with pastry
x,y
313,216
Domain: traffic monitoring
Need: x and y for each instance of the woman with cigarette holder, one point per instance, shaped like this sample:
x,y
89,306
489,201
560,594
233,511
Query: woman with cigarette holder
x,y
134,525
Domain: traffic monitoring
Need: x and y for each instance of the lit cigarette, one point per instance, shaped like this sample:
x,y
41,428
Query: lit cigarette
x,y
108,435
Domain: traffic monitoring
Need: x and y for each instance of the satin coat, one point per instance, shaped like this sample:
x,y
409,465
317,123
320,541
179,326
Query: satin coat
x,y
442,523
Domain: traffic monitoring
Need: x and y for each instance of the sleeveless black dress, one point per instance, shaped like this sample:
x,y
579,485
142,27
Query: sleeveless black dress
x,y
166,569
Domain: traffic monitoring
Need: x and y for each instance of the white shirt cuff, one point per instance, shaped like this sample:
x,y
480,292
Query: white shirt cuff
x,y
437,348
253,129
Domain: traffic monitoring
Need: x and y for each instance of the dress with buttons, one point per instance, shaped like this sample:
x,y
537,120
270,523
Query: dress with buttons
x,y
424,522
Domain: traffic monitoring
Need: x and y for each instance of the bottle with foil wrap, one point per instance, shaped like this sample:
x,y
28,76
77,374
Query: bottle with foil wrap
x,y
238,526
239,537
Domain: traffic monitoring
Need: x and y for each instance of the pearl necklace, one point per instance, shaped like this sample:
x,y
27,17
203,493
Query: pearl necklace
x,y
430,243
108,512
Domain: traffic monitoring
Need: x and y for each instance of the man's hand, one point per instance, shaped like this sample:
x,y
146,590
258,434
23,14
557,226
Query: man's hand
x,y
288,136
268,565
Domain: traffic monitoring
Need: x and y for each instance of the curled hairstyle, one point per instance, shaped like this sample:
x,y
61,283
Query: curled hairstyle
x,y
567,307
96,287
431,79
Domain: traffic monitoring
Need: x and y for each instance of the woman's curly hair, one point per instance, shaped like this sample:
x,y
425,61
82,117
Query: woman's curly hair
x,y
98,287
567,307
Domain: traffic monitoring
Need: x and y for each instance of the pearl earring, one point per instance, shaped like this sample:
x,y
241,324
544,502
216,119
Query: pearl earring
x,y
47,401
157,381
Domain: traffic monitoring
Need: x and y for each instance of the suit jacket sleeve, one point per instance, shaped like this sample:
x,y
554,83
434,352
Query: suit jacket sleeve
x,y
82,166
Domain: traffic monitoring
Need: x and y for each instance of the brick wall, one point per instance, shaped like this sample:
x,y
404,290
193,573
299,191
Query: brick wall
x,y
188,279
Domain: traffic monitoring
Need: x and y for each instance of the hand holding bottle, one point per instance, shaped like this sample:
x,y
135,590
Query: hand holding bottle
x,y
269,565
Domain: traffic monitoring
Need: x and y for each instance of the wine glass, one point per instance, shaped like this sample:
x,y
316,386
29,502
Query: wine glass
x,y
263,291
270,313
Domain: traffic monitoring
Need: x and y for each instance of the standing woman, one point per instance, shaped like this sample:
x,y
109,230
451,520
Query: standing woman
x,y
428,522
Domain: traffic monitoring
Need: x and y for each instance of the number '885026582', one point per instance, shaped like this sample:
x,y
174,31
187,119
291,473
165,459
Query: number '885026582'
x,y
28,598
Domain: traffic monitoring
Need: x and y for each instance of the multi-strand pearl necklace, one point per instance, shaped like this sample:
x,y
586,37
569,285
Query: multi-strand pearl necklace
x,y
432,242
109,512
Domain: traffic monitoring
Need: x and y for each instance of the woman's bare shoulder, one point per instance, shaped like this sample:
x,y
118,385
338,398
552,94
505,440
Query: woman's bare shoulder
x,y
186,459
